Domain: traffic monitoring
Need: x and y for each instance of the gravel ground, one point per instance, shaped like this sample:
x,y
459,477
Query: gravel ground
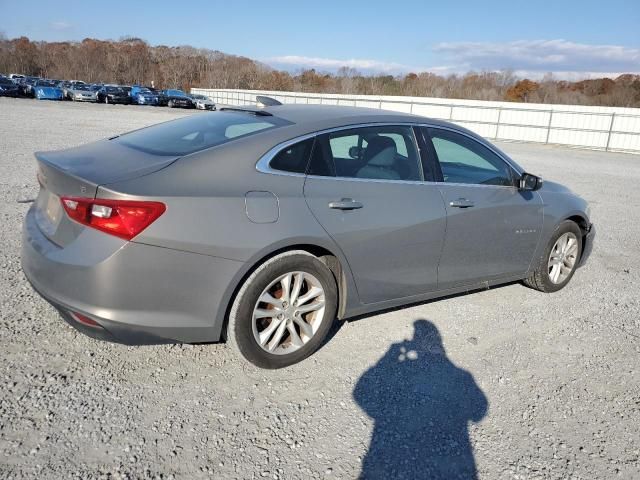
x,y
509,381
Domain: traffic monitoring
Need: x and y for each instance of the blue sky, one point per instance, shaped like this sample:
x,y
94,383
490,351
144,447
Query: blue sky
x,y
570,38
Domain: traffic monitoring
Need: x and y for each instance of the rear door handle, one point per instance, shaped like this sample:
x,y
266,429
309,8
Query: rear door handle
x,y
346,204
461,203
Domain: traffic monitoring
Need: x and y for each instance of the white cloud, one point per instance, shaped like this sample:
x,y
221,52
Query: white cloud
x,y
526,58
560,57
60,25
333,64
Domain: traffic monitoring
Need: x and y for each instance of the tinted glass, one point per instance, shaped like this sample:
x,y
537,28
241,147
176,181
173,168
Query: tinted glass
x,y
293,158
198,132
384,153
464,160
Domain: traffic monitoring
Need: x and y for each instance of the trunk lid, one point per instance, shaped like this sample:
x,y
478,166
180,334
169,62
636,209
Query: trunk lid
x,y
78,172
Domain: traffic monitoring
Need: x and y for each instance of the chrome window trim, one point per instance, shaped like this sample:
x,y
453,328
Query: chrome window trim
x,y
263,164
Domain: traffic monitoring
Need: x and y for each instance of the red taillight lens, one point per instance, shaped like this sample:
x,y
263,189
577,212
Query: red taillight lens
x,y
123,218
78,317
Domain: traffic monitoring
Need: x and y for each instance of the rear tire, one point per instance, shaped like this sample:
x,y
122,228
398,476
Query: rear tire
x,y
170,104
290,281
559,261
106,99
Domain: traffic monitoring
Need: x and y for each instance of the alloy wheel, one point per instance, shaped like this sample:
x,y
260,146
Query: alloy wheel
x,y
288,313
563,258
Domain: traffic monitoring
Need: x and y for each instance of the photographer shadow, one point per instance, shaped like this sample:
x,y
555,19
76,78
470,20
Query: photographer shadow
x,y
421,404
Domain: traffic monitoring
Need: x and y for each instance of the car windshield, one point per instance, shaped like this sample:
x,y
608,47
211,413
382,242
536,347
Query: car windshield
x,y
6,81
199,97
114,89
45,83
198,132
81,87
144,90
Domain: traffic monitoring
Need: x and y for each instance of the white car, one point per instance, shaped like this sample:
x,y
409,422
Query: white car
x,y
203,103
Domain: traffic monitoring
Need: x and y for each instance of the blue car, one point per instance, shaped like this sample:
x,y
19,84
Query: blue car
x,y
47,90
144,96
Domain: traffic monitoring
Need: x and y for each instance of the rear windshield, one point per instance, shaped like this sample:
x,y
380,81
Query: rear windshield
x,y
198,132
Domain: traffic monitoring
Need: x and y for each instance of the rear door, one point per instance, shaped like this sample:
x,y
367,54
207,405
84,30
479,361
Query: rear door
x,y
365,187
492,227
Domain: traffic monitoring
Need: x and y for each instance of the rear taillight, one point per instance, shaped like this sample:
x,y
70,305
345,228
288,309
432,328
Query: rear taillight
x,y
123,218
83,319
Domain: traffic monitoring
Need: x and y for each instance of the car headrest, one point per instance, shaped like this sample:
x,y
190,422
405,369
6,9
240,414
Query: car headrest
x,y
380,152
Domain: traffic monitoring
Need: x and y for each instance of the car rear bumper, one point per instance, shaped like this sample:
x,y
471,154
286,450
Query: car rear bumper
x,y
137,293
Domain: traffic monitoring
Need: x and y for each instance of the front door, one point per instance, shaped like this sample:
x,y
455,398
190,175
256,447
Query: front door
x,y
492,227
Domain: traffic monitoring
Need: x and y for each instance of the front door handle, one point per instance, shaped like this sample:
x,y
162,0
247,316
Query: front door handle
x,y
346,204
461,203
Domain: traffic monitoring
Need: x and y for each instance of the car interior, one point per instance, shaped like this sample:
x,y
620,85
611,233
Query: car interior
x,y
373,153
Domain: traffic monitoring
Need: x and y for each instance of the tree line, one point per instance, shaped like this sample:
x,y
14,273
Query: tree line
x,y
131,60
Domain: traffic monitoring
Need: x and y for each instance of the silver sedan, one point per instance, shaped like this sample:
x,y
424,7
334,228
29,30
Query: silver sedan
x,y
81,93
203,103
260,226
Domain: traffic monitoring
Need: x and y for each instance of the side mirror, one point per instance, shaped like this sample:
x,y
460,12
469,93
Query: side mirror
x,y
530,182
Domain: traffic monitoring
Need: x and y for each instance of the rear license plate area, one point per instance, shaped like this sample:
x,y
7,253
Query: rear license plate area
x,y
48,212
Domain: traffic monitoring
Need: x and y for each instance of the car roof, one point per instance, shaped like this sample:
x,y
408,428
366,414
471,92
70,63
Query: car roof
x,y
322,117
309,119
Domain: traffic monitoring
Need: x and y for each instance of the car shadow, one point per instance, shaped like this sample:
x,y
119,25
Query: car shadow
x,y
421,405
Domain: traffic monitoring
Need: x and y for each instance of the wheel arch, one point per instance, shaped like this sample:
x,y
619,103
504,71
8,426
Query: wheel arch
x,y
583,224
328,256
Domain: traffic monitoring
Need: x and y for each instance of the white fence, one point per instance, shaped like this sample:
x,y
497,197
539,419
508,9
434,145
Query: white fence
x,y
600,128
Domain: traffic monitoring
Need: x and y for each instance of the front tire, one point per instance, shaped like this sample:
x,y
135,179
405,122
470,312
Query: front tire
x,y
106,99
559,261
283,311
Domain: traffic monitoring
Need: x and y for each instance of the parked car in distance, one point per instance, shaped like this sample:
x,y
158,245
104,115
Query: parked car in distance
x,y
188,231
47,90
16,77
26,86
202,102
67,85
8,88
81,92
144,96
177,98
113,94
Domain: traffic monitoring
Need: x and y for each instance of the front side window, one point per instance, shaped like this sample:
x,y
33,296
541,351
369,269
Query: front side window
x,y
464,160
382,153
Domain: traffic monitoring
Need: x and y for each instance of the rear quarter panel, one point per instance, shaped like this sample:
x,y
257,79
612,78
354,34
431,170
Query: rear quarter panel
x,y
205,194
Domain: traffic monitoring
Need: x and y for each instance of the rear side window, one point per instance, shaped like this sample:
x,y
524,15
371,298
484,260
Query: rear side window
x,y
381,152
293,158
198,132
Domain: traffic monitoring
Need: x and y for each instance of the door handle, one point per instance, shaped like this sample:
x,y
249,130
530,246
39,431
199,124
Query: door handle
x,y
345,204
461,203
